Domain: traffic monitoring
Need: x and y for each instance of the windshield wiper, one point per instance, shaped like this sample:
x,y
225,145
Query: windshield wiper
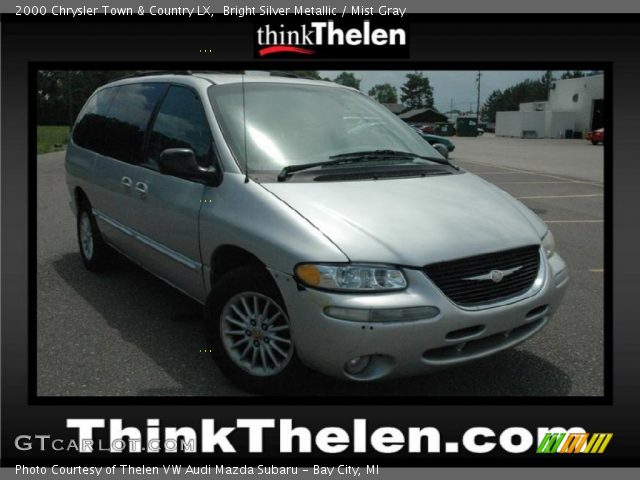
x,y
356,157
393,153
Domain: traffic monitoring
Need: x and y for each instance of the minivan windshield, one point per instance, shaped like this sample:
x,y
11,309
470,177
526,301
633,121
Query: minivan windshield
x,y
292,124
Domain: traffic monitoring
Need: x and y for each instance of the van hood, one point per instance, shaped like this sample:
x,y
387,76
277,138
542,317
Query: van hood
x,y
413,221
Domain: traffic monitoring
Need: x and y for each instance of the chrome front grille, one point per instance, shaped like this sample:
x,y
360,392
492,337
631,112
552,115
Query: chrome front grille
x,y
489,278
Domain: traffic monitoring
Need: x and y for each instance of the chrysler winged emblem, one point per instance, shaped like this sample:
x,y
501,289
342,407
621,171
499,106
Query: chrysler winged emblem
x,y
495,276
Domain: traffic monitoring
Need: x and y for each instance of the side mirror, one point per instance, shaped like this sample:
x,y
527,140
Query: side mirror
x,y
181,162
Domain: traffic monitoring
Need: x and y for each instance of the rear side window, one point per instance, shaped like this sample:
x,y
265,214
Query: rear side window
x,y
181,123
89,129
127,120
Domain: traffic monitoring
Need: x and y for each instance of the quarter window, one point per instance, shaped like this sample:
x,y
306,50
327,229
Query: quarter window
x,y
89,129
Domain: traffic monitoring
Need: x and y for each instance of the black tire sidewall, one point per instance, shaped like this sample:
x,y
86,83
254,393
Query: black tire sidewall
x,y
245,279
99,259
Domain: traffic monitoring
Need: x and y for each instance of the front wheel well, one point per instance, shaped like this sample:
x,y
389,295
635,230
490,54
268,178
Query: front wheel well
x,y
80,197
229,257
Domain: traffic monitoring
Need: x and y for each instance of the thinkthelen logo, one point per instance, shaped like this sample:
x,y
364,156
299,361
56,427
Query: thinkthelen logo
x,y
95,435
326,38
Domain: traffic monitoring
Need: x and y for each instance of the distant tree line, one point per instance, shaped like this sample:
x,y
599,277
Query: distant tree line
x,y
416,92
62,93
530,90
510,99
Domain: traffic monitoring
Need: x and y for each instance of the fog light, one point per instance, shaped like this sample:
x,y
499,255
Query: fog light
x,y
403,314
357,365
382,314
353,314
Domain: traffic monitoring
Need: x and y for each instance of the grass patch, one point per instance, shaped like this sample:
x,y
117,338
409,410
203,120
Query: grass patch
x,y
52,138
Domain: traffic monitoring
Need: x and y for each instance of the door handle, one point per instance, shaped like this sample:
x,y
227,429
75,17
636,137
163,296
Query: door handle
x,y
142,189
126,183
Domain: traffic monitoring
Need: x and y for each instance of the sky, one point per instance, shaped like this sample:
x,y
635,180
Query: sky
x,y
447,85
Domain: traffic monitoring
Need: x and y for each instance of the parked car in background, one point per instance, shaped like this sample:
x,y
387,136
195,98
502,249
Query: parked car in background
x,y
596,136
423,127
442,144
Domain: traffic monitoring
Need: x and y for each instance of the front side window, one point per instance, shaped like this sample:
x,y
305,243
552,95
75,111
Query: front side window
x,y
292,124
181,123
127,120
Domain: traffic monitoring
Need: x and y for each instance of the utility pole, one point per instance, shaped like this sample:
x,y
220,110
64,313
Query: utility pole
x,y
478,102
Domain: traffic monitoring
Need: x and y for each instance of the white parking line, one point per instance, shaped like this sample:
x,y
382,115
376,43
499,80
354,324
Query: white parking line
x,y
536,197
541,182
501,173
529,172
597,270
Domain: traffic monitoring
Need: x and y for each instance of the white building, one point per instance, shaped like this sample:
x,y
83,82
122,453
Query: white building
x,y
574,105
584,96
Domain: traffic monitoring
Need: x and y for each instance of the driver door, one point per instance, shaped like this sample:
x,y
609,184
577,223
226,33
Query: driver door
x,y
169,206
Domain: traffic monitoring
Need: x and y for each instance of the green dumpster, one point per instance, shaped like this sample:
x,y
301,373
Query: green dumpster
x,y
467,127
444,129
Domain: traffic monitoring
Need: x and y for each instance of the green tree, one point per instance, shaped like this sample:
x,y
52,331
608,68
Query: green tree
x,y
527,91
348,79
547,79
572,74
417,92
492,105
384,93
60,94
311,74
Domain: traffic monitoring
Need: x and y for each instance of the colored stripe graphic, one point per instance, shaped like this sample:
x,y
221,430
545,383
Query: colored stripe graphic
x,y
574,443
284,48
598,442
550,443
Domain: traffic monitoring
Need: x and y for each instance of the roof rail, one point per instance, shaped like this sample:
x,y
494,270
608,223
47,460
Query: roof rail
x,y
284,73
146,73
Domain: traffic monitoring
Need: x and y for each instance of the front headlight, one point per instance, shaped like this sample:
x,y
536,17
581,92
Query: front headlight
x,y
351,277
548,244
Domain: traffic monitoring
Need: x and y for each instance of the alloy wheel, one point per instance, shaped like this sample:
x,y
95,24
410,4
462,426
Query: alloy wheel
x,y
256,334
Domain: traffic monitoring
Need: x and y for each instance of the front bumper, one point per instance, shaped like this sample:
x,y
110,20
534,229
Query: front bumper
x,y
399,349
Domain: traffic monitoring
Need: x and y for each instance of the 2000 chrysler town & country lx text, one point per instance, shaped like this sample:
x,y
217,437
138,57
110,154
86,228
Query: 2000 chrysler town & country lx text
x,y
315,226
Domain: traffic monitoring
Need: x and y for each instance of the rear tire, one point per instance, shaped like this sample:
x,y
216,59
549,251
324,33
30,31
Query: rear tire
x,y
95,253
249,332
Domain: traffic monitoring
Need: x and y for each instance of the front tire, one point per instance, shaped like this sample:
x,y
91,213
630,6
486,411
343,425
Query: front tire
x,y
94,251
249,331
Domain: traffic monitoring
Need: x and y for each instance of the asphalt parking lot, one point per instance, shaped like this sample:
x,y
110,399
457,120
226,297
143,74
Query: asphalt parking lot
x,y
126,333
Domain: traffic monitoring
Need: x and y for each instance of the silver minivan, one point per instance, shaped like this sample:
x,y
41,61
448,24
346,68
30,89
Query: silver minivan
x,y
316,228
